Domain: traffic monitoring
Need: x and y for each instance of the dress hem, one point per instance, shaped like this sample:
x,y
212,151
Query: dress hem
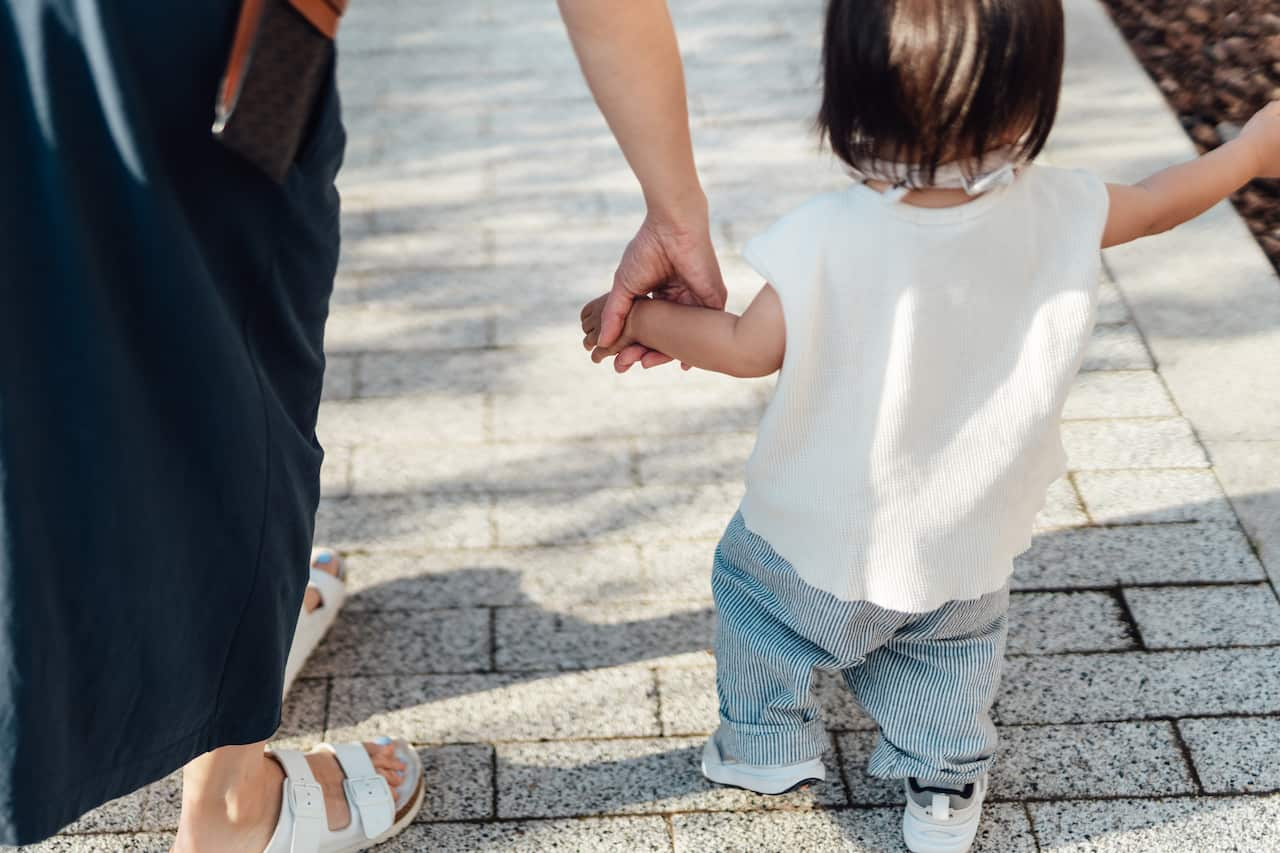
x,y
115,782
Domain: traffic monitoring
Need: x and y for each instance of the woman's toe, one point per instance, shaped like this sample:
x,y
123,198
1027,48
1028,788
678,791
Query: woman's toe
x,y
327,561
386,763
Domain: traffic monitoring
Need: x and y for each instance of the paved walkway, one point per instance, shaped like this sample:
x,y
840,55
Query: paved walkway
x,y
529,536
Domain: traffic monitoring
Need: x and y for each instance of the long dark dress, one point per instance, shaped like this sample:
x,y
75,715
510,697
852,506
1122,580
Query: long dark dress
x,y
162,308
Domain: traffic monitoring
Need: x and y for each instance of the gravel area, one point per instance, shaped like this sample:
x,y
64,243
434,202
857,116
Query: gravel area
x,y
1216,61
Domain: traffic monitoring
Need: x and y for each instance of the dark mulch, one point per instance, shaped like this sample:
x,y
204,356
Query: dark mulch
x,y
1217,61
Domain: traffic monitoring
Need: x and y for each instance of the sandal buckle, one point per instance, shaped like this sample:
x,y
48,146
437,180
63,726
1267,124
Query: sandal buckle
x,y
372,797
306,799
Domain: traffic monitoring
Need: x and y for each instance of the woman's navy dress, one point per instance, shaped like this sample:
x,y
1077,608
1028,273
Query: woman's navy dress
x,y
162,307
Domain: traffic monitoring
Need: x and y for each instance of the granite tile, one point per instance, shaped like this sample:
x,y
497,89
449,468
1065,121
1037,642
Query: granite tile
x,y
1111,307
1091,760
583,637
302,718
1137,554
1046,623
1004,829
458,781
1235,754
335,473
361,327
148,842
693,459
1118,394
405,642
405,522
1129,497
674,411
1062,507
1197,616
440,419
1250,473
1139,685
618,834
618,702
647,513
628,777
164,804
1131,443
339,377
1116,348
1049,762
123,814
682,569
505,467
1180,825
548,577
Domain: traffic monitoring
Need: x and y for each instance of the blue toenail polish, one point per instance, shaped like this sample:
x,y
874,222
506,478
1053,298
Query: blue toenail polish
x,y
382,741
324,557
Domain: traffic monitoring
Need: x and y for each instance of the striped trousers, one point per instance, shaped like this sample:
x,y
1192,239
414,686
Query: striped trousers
x,y
927,679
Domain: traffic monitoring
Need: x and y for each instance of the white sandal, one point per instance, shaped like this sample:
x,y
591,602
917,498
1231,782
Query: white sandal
x,y
377,812
314,625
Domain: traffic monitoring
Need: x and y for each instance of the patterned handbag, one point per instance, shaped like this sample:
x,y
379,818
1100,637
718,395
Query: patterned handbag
x,y
279,57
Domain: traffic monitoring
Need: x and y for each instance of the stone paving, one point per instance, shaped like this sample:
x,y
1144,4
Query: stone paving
x,y
529,535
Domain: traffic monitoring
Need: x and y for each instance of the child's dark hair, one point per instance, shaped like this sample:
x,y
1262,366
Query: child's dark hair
x,y
926,82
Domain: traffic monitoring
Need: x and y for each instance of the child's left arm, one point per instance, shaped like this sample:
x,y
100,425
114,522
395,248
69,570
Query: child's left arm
x,y
1185,191
750,345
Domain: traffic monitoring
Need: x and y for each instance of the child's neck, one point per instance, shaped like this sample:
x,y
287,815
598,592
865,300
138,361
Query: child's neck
x,y
928,197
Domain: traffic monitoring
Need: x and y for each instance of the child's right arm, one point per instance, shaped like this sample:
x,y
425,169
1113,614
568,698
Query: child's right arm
x,y
750,345
1183,192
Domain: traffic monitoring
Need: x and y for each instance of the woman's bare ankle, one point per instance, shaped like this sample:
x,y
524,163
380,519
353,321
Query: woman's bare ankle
x,y
230,801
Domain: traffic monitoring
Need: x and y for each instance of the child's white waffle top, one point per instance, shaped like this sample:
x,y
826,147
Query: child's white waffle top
x,y
914,430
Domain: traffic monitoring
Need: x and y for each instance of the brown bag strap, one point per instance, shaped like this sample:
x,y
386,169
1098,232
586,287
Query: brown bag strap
x,y
322,14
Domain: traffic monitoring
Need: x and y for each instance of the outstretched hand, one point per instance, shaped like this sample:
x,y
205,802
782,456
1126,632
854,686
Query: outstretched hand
x,y
670,262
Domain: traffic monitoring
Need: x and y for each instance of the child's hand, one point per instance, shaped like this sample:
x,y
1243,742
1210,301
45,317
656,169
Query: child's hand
x,y
1263,134
591,322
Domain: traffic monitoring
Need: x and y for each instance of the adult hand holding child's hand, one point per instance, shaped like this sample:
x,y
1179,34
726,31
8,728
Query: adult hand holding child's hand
x,y
670,260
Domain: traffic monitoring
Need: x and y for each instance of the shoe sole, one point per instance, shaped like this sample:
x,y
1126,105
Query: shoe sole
x,y
803,783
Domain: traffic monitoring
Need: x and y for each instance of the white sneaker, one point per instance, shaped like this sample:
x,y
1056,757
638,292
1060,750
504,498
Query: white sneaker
x,y
942,819
719,766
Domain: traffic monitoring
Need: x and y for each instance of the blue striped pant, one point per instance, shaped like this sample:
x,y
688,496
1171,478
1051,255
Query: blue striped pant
x,y
927,679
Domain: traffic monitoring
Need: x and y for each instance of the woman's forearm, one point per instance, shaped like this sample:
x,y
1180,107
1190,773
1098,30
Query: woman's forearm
x,y
629,55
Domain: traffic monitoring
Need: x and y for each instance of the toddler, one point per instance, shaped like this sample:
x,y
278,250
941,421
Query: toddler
x,y
927,322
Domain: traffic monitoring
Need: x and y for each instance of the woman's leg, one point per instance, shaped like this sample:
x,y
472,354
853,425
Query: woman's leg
x,y
231,796
230,801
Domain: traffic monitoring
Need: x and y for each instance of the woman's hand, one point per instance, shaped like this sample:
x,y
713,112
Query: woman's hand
x,y
630,58
670,261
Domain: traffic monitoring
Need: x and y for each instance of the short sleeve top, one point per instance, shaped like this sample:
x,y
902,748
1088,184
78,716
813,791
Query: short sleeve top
x,y
914,429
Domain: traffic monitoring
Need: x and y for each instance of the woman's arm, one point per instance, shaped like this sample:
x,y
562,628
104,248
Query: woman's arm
x,y
628,53
1179,193
750,345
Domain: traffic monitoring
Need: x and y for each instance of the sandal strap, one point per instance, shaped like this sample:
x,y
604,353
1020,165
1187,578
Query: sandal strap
x,y
367,792
333,591
305,801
